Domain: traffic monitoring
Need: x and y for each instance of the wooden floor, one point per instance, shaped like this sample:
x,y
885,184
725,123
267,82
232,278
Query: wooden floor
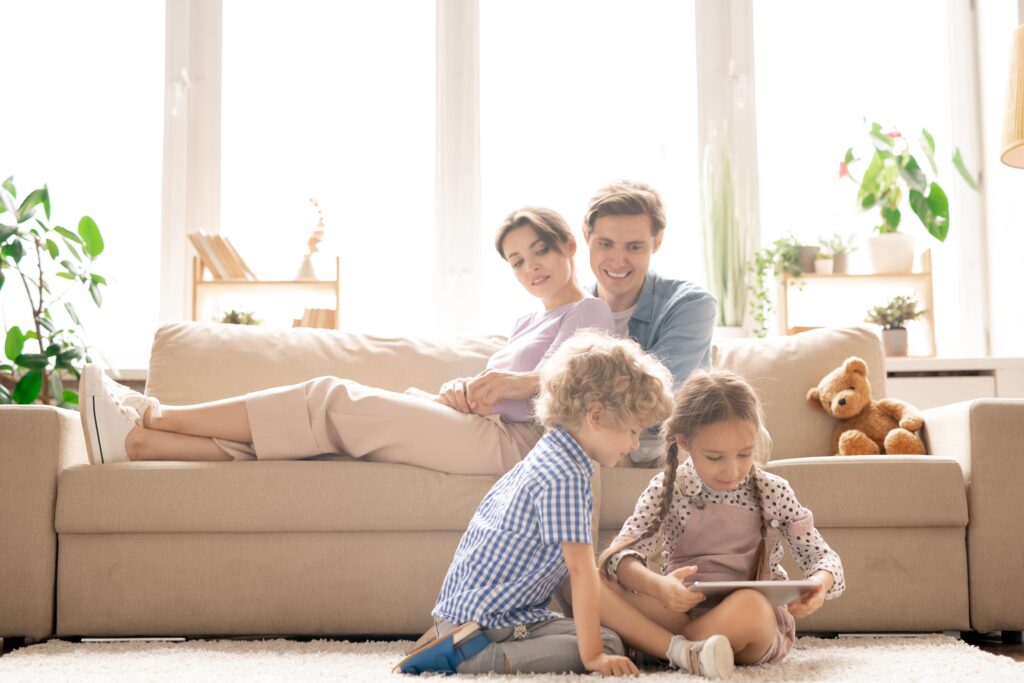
x,y
996,646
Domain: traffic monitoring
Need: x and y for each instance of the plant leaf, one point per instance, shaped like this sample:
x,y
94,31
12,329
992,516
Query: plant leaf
x,y
52,349
14,342
32,361
958,164
66,276
72,312
70,397
56,387
5,396
2,278
14,250
34,199
933,211
98,279
869,184
28,388
928,145
64,232
7,196
92,240
892,216
97,296
912,173
52,247
46,324
69,354
880,140
9,185
6,231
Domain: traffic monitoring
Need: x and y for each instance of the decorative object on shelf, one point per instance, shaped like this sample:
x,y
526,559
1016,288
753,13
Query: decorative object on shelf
x,y
32,251
306,271
317,317
726,234
823,263
807,255
893,317
1013,120
220,257
782,257
234,317
866,426
892,169
840,247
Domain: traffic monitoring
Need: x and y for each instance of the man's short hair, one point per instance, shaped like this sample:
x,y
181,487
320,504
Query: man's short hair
x,y
626,198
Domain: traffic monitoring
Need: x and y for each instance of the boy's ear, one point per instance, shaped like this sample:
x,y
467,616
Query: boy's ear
x,y
595,415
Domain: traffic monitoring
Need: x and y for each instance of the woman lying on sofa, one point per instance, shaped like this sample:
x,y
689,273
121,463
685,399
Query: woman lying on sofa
x,y
473,425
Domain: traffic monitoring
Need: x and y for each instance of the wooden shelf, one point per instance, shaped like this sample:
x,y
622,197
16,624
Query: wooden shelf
x,y
207,291
920,281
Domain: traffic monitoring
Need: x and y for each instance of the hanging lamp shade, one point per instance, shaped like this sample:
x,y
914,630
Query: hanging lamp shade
x,y
1013,124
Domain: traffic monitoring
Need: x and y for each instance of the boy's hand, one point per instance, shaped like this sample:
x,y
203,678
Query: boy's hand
x,y
612,665
813,600
674,595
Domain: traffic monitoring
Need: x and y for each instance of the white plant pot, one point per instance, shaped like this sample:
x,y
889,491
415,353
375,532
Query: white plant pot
x,y
894,342
892,252
823,266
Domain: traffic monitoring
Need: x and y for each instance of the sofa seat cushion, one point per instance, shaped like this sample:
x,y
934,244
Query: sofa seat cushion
x,y
852,491
316,495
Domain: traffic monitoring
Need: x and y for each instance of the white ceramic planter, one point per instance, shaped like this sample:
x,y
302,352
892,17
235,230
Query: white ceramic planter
x,y
823,266
892,252
894,342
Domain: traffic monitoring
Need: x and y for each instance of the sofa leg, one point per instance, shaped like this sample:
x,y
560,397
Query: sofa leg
x,y
1012,637
11,643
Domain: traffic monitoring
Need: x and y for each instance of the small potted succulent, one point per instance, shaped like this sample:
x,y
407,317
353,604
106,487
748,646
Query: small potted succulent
x,y
893,318
823,263
840,247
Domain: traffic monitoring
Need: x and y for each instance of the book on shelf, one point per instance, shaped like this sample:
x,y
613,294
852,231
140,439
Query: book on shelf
x,y
316,317
220,257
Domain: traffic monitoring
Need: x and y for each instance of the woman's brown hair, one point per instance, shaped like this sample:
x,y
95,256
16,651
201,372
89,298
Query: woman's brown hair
x,y
706,397
549,225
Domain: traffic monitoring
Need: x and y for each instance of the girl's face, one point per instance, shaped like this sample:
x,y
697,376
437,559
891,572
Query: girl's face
x,y
544,272
722,452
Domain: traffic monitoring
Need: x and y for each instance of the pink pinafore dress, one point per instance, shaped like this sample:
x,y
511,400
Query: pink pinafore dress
x,y
722,541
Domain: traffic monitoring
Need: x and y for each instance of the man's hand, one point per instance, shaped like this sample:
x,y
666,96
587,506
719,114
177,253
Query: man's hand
x,y
612,665
674,595
812,600
453,394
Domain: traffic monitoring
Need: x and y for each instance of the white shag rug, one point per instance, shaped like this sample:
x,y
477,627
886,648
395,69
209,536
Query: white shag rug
x,y
874,659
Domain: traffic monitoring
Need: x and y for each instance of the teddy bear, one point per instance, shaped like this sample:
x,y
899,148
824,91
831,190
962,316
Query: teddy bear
x,y
866,427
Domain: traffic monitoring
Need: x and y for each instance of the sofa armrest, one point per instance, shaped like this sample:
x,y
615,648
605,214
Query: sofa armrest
x,y
987,438
36,443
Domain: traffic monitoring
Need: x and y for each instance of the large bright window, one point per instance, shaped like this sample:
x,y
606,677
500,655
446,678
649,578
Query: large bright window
x,y
822,69
334,101
573,95
83,113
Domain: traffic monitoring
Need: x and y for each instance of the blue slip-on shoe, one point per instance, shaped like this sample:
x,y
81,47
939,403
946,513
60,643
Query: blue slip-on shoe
x,y
444,653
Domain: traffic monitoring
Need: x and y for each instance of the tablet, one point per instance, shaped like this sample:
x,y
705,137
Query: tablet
x,y
778,592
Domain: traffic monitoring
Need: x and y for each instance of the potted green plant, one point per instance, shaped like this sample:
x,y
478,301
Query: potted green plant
x,y
781,257
823,263
50,343
893,173
234,317
893,318
726,238
840,247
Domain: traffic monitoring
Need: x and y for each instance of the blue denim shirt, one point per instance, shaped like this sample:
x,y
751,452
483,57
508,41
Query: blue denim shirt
x,y
674,320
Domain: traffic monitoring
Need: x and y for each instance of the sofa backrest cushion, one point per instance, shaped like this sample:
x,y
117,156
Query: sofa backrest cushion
x,y
194,362
782,369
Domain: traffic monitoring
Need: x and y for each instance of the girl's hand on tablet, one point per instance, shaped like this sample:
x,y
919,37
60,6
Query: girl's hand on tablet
x,y
814,599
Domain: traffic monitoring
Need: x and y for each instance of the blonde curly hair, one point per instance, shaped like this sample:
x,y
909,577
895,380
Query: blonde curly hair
x,y
594,369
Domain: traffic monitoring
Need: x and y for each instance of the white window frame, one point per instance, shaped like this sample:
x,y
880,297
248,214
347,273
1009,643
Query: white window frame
x,y
726,75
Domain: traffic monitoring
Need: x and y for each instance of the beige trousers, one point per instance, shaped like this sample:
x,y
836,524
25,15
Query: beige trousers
x,y
332,415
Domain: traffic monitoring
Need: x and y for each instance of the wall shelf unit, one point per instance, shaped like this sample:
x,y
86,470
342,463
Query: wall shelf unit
x,y
791,290
277,302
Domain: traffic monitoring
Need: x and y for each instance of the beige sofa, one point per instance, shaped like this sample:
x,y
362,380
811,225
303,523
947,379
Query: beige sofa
x,y
337,546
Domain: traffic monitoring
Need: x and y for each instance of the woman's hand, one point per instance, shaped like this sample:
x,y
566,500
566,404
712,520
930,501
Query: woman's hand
x,y
612,665
674,595
491,386
814,599
453,394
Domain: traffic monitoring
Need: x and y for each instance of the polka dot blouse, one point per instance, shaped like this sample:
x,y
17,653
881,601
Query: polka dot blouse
x,y
796,522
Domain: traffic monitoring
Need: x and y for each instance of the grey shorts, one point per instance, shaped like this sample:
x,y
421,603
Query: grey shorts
x,y
541,647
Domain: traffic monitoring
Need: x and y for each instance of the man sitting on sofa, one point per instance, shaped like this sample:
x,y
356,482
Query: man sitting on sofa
x,y
673,319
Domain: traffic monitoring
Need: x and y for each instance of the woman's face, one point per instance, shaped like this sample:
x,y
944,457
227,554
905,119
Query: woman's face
x,y
543,271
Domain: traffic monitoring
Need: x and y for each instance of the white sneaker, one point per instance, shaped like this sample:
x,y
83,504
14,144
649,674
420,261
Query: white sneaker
x,y
711,658
108,414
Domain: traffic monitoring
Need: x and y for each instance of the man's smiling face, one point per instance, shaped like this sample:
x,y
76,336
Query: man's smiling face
x,y
620,254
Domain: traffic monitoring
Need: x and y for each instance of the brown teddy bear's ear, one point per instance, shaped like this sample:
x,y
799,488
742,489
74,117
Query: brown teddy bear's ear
x,y
855,364
814,399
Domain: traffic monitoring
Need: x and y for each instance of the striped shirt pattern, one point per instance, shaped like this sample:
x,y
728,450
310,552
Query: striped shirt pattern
x,y
509,561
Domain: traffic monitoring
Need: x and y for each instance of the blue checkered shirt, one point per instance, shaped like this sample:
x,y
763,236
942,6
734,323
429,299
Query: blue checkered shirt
x,y
509,561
